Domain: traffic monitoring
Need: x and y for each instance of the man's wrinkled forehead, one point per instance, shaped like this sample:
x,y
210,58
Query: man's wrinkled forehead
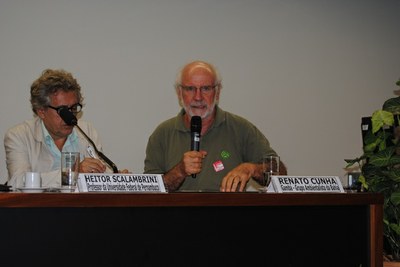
x,y
198,71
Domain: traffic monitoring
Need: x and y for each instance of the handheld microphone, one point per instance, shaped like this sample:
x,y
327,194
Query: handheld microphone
x,y
70,119
195,131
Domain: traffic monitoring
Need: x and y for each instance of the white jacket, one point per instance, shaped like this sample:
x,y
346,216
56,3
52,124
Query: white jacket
x,y
26,151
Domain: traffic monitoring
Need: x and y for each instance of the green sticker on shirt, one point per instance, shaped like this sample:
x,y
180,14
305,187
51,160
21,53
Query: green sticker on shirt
x,y
225,154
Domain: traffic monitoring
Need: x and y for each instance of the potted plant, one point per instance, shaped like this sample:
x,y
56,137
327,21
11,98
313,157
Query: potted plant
x,y
380,170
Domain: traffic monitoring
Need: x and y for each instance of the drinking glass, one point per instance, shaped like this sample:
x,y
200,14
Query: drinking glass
x,y
69,169
270,165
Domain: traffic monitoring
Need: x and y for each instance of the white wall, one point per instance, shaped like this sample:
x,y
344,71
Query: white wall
x,y
304,72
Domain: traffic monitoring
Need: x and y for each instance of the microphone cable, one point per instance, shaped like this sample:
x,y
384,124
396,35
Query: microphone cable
x,y
70,119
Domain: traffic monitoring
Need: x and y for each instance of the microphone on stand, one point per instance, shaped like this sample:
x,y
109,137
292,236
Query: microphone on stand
x,y
195,131
70,119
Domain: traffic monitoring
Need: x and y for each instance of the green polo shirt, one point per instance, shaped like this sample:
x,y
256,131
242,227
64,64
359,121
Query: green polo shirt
x,y
230,141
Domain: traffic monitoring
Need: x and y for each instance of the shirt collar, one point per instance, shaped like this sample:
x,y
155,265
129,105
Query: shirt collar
x,y
71,139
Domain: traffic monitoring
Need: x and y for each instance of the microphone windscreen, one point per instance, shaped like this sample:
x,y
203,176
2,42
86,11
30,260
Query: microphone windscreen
x,y
195,124
68,116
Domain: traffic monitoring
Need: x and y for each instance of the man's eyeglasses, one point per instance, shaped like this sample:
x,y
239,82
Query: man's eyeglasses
x,y
76,108
205,90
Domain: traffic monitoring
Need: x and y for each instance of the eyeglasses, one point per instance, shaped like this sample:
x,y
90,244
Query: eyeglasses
x,y
75,108
205,90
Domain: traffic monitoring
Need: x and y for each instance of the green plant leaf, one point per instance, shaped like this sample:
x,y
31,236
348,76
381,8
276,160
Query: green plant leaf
x,y
395,228
382,158
394,174
392,105
381,118
395,198
351,162
371,147
394,160
370,138
361,179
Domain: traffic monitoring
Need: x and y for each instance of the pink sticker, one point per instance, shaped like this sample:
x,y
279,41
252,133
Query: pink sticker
x,y
218,166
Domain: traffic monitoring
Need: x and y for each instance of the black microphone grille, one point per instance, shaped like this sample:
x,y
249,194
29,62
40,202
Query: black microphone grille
x,y
67,116
195,124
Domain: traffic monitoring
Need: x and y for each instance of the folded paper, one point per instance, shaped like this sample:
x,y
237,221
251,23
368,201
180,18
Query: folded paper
x,y
302,184
118,182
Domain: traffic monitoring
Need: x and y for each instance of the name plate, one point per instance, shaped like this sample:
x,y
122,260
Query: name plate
x,y
305,184
120,182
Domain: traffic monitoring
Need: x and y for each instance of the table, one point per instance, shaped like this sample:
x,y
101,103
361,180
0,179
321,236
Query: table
x,y
191,229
